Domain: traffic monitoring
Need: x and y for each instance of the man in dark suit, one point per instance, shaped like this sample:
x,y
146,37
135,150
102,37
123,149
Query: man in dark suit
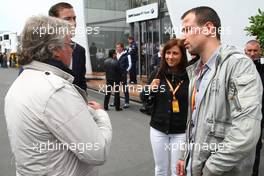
x,y
65,11
113,77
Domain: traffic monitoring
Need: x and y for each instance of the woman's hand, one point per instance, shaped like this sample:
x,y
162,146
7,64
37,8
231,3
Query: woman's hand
x,y
180,168
154,84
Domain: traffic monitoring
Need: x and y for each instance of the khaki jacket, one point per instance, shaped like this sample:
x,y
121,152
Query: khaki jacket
x,y
229,117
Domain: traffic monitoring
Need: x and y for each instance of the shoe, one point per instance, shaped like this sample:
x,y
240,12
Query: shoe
x,y
106,108
126,106
119,109
112,104
142,109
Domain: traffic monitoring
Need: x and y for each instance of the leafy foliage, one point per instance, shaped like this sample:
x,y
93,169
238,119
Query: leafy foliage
x,y
257,28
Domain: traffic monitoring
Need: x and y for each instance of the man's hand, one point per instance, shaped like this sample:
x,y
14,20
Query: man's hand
x,y
180,168
94,105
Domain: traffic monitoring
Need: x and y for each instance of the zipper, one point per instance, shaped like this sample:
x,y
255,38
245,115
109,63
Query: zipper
x,y
234,97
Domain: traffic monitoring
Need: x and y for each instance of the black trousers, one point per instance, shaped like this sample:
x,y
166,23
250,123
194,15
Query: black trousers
x,y
112,86
257,156
133,73
93,62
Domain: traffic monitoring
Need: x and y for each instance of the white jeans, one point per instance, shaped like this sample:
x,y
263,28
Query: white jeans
x,y
166,149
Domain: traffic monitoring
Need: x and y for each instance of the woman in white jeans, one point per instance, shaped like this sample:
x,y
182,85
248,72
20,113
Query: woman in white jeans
x,y
168,89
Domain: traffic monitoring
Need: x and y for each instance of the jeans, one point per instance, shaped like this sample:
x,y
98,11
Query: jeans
x,y
125,87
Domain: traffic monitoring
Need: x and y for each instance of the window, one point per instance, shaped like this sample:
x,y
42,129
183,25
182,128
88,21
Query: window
x,y
6,37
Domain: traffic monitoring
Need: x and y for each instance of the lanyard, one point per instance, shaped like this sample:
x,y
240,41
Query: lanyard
x,y
193,96
176,89
201,73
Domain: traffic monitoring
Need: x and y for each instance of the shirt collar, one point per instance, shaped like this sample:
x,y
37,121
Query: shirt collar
x,y
209,64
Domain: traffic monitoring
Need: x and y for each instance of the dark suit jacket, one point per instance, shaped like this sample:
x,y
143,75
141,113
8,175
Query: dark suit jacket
x,y
78,66
260,68
112,70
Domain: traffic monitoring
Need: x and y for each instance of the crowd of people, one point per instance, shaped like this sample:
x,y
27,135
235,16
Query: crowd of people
x,y
121,63
206,114
8,60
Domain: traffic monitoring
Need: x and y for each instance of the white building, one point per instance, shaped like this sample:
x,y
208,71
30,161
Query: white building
x,y
8,42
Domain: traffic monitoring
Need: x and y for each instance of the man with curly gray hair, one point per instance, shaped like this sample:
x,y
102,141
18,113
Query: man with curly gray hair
x,y
53,129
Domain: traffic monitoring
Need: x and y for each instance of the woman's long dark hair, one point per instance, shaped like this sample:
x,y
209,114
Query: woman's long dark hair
x,y
183,63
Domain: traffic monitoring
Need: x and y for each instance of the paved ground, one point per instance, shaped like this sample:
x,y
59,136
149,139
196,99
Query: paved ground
x,y
130,152
7,166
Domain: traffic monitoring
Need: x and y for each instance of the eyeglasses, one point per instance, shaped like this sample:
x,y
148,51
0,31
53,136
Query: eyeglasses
x,y
72,45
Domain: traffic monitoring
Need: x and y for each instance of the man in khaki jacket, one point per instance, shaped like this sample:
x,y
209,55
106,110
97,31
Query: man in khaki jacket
x,y
225,93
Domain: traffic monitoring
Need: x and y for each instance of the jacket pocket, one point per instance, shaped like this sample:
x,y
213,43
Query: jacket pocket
x,y
244,91
215,129
244,79
215,134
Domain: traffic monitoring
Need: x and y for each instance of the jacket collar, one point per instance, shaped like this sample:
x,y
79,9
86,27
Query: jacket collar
x,y
225,52
40,66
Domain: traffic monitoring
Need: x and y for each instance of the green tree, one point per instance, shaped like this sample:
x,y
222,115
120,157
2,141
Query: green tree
x,y
256,28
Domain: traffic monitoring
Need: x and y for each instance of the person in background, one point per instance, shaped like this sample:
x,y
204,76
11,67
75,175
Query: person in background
x,y
225,93
100,56
113,77
93,51
66,12
156,58
52,128
168,87
5,65
1,59
133,51
124,60
253,50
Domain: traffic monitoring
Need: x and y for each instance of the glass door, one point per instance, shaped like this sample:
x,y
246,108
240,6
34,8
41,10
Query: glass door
x,y
149,43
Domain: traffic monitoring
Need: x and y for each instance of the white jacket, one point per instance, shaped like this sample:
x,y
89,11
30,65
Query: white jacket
x,y
52,130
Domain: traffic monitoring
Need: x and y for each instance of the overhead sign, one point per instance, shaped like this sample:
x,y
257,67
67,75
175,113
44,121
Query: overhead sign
x,y
142,13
